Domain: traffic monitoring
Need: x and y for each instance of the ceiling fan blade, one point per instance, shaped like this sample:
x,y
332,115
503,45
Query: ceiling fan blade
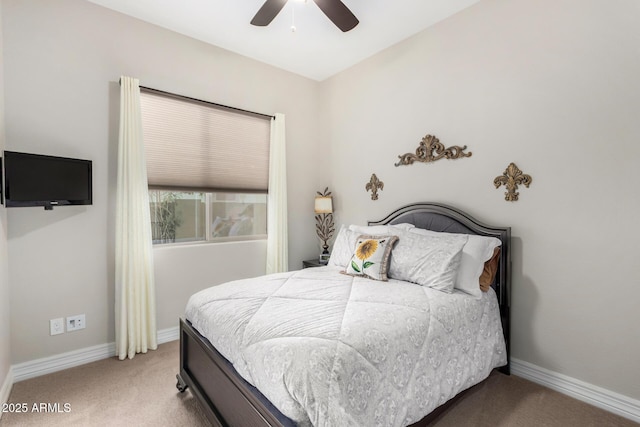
x,y
267,12
338,13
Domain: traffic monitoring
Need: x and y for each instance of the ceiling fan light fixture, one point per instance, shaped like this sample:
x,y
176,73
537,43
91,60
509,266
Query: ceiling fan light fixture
x,y
335,10
293,21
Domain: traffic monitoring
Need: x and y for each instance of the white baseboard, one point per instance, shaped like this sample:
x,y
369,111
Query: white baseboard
x,y
597,396
47,365
5,389
168,335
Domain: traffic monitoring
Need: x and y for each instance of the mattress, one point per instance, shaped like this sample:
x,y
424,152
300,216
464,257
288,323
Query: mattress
x,y
328,349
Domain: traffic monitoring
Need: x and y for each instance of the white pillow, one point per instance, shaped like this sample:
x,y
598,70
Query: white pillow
x,y
346,240
431,261
343,247
477,251
380,229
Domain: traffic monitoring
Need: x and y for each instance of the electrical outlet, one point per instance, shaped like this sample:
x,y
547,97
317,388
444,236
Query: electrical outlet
x,y
75,322
56,326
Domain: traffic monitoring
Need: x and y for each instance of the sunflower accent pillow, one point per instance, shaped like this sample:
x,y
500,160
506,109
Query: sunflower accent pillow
x,y
371,257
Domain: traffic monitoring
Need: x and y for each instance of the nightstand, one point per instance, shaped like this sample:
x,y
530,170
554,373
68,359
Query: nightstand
x,y
312,263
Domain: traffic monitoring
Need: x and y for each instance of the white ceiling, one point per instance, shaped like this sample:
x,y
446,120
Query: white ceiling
x,y
317,49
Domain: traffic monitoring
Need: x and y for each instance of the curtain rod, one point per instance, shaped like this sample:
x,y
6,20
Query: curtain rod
x,y
240,110
187,98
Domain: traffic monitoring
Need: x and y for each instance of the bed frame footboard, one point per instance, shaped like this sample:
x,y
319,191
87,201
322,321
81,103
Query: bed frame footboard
x,y
226,399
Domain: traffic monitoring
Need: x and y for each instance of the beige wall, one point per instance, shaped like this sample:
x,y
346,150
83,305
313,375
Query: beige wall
x,y
551,85
62,62
5,341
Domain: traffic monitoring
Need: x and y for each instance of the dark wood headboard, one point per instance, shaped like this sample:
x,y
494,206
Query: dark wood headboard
x,y
443,218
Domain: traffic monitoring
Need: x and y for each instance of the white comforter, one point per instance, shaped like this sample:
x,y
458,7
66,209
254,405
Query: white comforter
x,y
329,349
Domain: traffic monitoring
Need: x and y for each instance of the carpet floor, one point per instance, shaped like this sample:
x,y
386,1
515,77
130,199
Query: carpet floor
x,y
141,392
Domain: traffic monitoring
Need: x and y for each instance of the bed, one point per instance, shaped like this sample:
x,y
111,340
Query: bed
x,y
274,363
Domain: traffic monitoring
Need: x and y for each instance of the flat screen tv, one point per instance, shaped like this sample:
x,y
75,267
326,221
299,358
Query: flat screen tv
x,y
38,180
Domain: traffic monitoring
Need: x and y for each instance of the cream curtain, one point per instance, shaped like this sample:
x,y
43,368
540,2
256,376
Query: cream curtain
x,y
135,291
277,235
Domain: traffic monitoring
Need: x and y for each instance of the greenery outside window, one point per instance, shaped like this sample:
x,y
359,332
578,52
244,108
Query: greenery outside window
x,y
181,216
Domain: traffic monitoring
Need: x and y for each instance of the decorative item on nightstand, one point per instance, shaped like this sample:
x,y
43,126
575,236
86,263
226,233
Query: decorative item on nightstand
x,y
324,221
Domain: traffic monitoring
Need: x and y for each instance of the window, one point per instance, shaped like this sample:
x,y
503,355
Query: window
x,y
180,216
207,168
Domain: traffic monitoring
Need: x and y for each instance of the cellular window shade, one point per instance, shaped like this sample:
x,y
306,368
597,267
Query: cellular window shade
x,y
191,145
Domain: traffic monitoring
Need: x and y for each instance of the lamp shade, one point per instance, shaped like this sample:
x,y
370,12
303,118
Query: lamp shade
x,y
323,205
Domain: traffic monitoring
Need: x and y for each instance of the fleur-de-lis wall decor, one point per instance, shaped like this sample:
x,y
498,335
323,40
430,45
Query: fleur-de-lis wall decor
x,y
374,185
430,150
511,178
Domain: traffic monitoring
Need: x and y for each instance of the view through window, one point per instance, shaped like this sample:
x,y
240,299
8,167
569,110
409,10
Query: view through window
x,y
180,216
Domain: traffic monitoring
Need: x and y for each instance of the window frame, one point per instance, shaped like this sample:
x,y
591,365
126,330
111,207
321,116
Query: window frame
x,y
208,220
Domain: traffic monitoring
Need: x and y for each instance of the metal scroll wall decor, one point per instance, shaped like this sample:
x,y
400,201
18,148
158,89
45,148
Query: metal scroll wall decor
x,y
430,150
511,178
374,185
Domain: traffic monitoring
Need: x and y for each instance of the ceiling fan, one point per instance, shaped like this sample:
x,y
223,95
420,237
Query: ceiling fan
x,y
335,10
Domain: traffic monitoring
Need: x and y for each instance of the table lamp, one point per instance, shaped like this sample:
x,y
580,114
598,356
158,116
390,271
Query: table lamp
x,y
323,209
